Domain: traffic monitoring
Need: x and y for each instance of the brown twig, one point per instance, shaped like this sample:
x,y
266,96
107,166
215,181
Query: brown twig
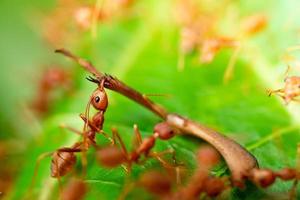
x,y
238,159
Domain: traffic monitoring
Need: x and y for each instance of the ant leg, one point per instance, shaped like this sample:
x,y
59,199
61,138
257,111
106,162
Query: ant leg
x,y
270,92
231,64
107,136
157,95
288,69
63,126
165,164
138,138
116,137
37,164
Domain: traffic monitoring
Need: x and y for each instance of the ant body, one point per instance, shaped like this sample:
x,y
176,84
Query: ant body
x,y
64,159
111,156
291,90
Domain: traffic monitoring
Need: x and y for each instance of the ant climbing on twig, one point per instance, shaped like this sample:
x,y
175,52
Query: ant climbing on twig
x,y
291,90
64,159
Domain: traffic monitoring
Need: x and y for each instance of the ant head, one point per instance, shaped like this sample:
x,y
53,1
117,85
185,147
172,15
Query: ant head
x,y
99,99
164,131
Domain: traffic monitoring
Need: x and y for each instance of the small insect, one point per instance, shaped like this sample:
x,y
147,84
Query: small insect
x,y
52,79
76,189
111,156
211,47
64,159
291,90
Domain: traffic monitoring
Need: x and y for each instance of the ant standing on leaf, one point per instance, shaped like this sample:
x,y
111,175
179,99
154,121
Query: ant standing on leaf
x,y
112,156
291,90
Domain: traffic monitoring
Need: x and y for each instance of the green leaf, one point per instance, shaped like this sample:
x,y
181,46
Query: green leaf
x,y
143,52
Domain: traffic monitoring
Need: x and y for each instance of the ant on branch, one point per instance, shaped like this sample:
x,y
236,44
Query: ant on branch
x,y
64,159
291,90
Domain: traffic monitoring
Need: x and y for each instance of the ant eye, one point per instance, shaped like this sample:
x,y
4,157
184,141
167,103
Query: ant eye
x,y
97,99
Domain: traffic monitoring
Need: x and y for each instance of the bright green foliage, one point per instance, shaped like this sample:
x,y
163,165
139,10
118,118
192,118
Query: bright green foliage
x,y
142,51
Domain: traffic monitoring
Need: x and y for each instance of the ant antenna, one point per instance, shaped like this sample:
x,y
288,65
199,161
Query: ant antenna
x,y
92,79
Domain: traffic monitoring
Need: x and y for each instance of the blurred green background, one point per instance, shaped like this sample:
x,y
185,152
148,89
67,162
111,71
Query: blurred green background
x,y
140,47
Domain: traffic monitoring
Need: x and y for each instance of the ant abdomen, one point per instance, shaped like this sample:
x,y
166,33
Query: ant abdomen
x,y
62,163
110,156
164,131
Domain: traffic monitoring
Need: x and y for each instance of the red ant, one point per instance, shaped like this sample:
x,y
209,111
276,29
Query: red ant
x,y
112,156
266,177
51,79
291,90
64,159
